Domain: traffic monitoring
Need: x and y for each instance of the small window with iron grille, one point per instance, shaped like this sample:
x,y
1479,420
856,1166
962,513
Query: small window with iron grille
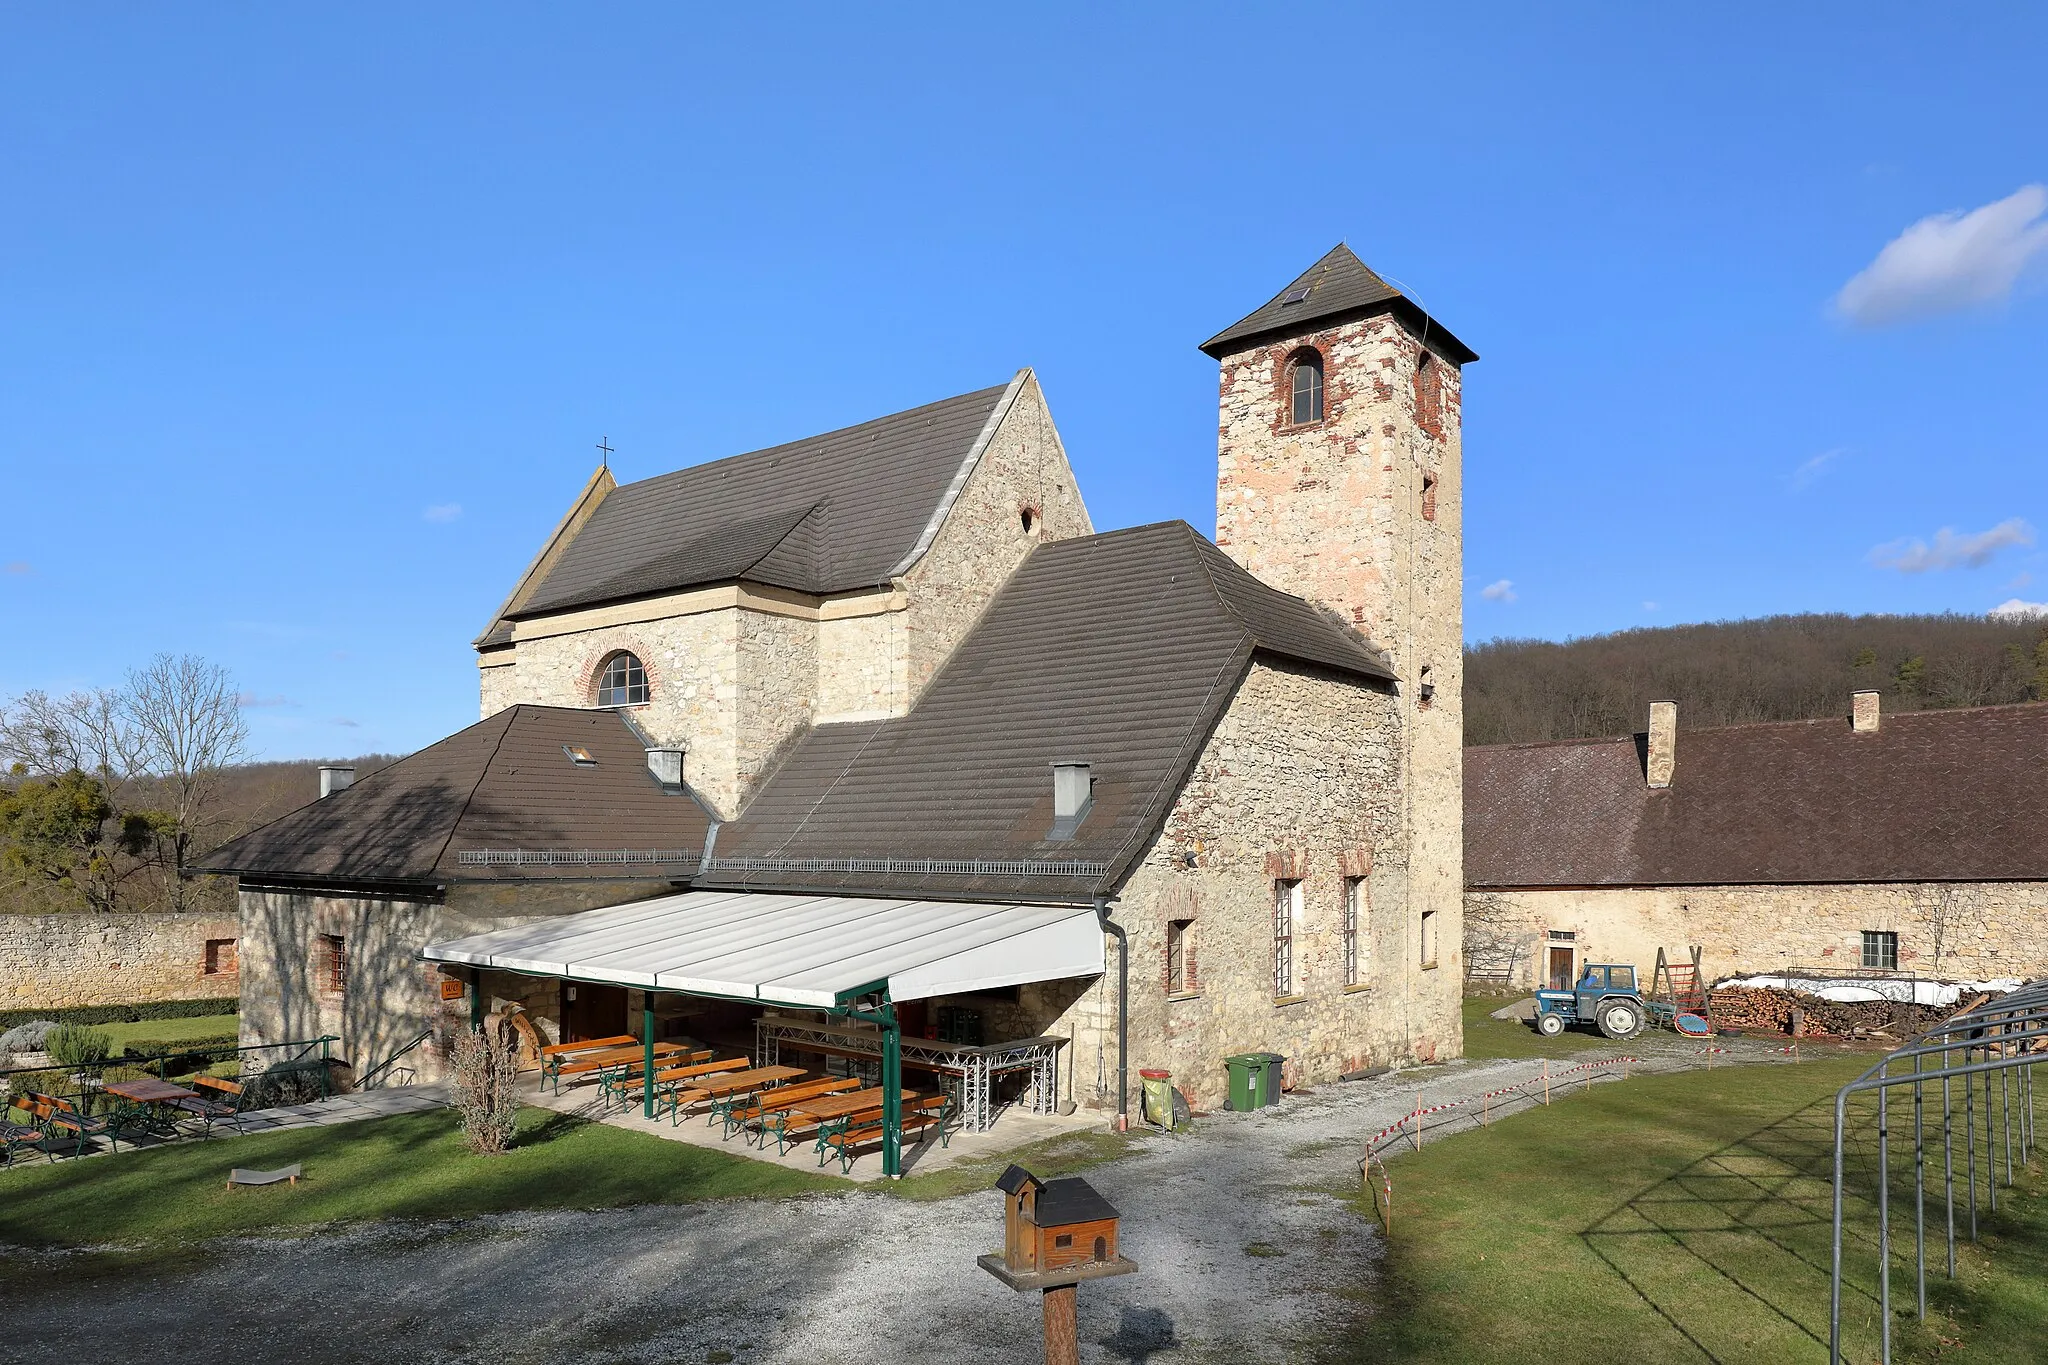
x,y
1286,919
333,964
1180,957
1354,916
1881,950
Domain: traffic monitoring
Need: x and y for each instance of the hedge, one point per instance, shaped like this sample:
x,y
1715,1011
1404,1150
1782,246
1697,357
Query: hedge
x,y
126,1014
156,1047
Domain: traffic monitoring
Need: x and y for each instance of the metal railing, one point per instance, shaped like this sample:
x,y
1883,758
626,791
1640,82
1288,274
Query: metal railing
x,y
2006,1037
913,867
374,1077
86,1082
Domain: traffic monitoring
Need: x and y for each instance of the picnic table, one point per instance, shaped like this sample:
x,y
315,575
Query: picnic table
x,y
764,1108
149,1090
846,1121
578,1063
722,1089
666,1083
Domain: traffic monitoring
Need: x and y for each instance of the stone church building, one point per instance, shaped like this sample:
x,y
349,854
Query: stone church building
x,y
879,715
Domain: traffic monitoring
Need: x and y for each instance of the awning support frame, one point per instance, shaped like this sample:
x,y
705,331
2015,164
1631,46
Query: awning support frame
x,y
883,1013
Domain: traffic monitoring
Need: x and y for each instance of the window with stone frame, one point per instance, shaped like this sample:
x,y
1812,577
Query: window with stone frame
x,y
219,959
622,681
330,964
1356,922
1429,938
1286,924
1305,387
1182,977
1880,950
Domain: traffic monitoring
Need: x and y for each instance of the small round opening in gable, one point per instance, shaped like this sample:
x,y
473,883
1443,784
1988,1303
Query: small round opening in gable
x,y
1027,517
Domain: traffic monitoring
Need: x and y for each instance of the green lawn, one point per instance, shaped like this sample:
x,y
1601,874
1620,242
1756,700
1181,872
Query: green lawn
x,y
1487,1038
1677,1218
410,1166
172,1030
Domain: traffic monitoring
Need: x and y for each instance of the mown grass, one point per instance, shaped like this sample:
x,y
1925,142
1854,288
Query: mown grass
x,y
411,1166
172,1030
1680,1218
1487,1038
1046,1159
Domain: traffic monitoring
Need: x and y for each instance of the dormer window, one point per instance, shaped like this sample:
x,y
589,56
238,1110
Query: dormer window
x,y
1307,388
622,681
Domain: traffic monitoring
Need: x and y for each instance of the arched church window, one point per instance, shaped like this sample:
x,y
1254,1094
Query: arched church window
x,y
622,681
1308,388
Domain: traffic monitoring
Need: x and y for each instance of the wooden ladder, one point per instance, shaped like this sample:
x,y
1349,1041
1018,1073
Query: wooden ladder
x,y
1678,983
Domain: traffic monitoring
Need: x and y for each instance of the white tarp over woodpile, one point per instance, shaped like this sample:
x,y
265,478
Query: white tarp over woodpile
x,y
1850,989
796,950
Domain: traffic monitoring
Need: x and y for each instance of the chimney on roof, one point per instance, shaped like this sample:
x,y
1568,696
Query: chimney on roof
x,y
1865,712
1073,792
667,767
1663,754
334,780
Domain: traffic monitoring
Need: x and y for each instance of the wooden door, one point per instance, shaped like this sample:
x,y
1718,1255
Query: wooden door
x,y
592,1011
1560,969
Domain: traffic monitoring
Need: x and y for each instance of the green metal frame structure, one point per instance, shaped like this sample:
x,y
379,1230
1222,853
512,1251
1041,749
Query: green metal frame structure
x,y
870,1003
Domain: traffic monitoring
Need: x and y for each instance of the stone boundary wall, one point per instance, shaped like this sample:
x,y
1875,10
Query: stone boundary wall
x,y
62,961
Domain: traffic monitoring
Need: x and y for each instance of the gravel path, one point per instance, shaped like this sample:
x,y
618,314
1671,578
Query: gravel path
x,y
1232,1225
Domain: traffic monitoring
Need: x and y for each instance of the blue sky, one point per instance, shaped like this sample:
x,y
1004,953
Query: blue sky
x,y
311,317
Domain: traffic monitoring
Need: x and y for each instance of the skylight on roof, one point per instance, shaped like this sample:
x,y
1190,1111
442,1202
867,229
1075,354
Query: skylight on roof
x,y
580,756
1296,295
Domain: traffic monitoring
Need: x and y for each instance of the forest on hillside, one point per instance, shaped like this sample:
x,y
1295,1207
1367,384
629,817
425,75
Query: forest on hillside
x,y
1733,672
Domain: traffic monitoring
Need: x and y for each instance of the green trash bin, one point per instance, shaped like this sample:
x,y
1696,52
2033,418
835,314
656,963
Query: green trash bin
x,y
1247,1081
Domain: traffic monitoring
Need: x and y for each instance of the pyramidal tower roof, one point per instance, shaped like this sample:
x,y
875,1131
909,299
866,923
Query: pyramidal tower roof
x,y
1339,287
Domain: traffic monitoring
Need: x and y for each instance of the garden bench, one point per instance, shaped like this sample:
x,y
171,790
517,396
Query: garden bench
x,y
667,1082
600,1062
615,1082
209,1110
767,1104
59,1116
17,1130
553,1055
720,1090
921,1117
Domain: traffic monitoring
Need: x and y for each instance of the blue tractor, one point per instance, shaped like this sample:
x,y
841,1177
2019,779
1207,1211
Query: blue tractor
x,y
1606,995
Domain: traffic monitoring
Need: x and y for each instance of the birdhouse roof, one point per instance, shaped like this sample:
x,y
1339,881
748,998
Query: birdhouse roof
x,y
1071,1201
1015,1178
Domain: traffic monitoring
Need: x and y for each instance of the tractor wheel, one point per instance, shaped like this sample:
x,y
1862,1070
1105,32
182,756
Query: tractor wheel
x,y
1549,1024
1621,1020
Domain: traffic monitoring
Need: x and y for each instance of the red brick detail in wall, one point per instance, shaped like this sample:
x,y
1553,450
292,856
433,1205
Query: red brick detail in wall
x,y
219,958
594,661
1191,967
1428,496
1354,862
1287,865
1429,394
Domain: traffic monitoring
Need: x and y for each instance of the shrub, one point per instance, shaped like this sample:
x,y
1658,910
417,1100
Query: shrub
x,y
76,1045
156,1047
484,1088
28,1037
126,1014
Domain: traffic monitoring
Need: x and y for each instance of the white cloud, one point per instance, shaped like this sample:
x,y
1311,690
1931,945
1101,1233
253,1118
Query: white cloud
x,y
2013,609
1501,590
1804,476
345,723
1950,550
1649,606
1950,261
249,701
443,511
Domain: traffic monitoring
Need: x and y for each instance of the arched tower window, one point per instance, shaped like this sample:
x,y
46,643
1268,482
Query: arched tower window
x,y
622,681
1429,396
1307,386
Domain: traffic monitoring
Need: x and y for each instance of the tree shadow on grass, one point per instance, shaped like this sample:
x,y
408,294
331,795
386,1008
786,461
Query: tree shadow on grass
x,y
555,1125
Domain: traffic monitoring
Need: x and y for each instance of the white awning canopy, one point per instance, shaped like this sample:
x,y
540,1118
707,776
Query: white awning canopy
x,y
796,950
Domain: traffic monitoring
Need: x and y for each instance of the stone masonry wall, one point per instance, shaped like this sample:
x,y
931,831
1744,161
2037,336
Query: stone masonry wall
x,y
388,995
60,961
1301,779
863,666
1961,931
776,691
1024,468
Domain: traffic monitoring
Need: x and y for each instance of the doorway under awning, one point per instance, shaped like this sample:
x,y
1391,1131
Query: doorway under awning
x,y
852,956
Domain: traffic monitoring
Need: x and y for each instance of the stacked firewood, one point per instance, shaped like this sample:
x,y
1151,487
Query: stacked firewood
x,y
1757,1010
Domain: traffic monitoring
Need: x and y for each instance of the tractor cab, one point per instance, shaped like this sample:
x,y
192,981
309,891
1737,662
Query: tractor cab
x,y
1605,994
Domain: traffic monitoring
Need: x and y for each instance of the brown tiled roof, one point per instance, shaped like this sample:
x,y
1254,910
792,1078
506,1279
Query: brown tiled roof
x,y
1118,650
1931,796
825,514
503,783
1337,288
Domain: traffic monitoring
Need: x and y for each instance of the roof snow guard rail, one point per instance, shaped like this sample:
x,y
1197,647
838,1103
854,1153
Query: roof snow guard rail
x,y
914,867
573,857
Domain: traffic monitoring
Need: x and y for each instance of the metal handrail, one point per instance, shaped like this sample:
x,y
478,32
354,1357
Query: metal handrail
x,y
369,1078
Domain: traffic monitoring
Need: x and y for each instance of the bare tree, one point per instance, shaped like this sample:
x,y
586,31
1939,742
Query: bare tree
x,y
185,726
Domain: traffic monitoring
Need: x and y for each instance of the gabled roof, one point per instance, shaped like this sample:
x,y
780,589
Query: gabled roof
x,y
1015,1178
1339,287
1072,1200
1930,796
1119,650
503,783
829,513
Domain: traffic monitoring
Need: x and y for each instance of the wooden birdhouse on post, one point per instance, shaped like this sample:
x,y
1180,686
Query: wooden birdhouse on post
x,y
1056,1233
